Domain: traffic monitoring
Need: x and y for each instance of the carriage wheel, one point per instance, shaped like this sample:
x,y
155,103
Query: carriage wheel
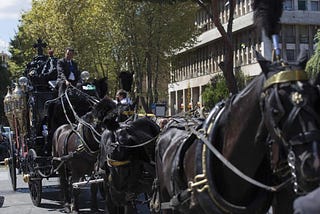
x,y
12,166
35,187
35,183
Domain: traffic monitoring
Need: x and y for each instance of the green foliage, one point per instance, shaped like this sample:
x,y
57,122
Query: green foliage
x,y
4,82
313,65
108,35
217,89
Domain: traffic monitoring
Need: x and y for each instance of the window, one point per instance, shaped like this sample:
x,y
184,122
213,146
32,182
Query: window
x,y
303,34
314,5
302,5
289,33
288,5
290,55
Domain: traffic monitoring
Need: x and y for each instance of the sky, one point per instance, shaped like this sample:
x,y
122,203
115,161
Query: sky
x,y
10,13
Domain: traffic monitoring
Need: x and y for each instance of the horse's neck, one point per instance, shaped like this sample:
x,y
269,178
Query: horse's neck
x,y
242,118
238,128
88,136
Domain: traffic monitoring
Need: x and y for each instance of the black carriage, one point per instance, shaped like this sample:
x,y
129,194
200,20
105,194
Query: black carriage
x,y
26,107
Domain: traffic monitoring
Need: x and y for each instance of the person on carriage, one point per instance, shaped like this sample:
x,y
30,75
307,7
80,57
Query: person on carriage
x,y
49,71
124,105
68,72
122,97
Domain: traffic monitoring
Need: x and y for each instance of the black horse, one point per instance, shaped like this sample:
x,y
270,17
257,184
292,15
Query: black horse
x,y
264,136
75,102
127,150
77,148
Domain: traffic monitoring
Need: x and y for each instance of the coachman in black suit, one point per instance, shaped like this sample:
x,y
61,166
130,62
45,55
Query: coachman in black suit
x,y
67,70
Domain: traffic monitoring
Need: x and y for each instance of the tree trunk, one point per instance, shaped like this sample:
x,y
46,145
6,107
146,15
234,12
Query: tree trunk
x,y
227,69
149,79
156,77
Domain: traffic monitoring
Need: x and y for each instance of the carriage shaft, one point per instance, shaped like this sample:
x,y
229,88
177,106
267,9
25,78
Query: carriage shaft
x,y
84,183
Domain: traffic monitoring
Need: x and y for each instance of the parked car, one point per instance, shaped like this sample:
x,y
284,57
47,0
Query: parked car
x,y
5,135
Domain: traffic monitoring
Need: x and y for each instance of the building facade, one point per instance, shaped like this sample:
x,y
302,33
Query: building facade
x,y
193,68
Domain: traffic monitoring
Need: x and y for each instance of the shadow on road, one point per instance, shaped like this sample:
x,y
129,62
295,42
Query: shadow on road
x,y
1,201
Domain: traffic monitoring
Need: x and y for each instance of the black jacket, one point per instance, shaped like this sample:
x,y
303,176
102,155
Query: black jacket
x,y
64,71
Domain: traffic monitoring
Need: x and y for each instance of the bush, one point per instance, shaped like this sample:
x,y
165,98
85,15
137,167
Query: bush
x,y
217,89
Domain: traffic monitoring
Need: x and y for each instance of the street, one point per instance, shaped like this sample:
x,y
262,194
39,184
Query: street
x,y
20,202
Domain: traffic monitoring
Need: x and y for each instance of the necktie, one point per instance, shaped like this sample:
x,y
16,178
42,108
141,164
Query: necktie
x,y
71,69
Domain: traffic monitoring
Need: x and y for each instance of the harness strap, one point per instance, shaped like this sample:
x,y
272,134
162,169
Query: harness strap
x,y
286,76
234,169
139,145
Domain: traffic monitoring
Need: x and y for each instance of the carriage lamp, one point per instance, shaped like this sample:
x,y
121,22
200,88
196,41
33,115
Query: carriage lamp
x,y
19,99
85,75
8,104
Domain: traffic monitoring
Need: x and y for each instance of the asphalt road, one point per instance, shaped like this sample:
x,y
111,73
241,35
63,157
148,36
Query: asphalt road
x,y
19,202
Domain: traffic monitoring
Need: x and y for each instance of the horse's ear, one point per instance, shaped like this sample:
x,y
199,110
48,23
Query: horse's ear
x,y
263,62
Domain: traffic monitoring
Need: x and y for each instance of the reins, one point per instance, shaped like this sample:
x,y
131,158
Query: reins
x,y
138,145
81,121
233,168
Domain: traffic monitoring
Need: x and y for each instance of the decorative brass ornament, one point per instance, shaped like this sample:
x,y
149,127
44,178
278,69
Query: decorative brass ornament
x,y
286,76
296,98
8,104
20,107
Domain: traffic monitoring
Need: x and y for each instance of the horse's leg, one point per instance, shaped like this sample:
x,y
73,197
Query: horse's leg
x,y
64,189
110,207
75,197
94,198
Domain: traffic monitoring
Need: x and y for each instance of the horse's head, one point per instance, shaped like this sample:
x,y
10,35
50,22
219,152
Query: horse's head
x,y
129,152
105,111
289,105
